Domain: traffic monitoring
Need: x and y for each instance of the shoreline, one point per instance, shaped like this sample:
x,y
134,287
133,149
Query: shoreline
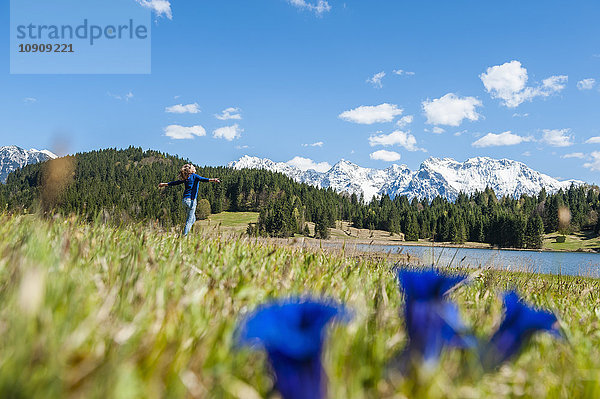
x,y
470,245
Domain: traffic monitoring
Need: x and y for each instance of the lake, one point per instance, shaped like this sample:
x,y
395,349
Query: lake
x,y
572,263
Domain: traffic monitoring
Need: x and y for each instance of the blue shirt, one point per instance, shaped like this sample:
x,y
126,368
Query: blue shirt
x,y
191,185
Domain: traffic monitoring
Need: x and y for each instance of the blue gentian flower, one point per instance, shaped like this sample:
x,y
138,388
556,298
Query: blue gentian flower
x,y
432,321
292,333
518,326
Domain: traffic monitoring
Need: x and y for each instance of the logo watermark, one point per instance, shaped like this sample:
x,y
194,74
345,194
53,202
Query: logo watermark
x,y
79,37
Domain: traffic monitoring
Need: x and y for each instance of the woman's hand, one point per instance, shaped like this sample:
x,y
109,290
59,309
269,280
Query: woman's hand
x,y
215,180
161,185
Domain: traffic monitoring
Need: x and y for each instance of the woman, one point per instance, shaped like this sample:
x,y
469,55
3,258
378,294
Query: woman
x,y
191,180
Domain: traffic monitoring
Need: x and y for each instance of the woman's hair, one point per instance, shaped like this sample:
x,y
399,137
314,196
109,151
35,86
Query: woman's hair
x,y
186,171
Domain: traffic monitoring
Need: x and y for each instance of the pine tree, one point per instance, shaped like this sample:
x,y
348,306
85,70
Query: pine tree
x,y
203,209
321,229
534,232
412,229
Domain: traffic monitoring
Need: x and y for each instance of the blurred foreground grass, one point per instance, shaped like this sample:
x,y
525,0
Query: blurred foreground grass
x,y
93,311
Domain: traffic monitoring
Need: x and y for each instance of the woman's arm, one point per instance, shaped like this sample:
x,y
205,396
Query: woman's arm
x,y
173,183
205,179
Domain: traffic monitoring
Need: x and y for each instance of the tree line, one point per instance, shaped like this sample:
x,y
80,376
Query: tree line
x,y
121,185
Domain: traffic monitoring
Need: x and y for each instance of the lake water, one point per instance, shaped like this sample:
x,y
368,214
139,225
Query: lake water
x,y
571,263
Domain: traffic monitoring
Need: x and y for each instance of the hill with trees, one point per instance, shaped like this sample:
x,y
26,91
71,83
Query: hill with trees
x,y
121,186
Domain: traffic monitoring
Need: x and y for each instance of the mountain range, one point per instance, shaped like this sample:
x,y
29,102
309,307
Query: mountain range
x,y
13,157
444,177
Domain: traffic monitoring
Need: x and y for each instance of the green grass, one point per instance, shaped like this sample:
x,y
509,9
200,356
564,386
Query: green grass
x,y
93,311
573,242
237,221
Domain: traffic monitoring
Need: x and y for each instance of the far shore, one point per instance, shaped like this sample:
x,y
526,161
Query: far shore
x,y
345,234
339,242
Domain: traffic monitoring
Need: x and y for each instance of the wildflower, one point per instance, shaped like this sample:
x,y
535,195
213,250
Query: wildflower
x,y
292,333
518,326
432,322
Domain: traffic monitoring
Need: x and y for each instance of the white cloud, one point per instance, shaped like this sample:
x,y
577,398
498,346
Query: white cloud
x,y
160,7
526,154
405,120
183,109
579,155
505,80
375,80
229,113
553,84
241,147
508,82
369,114
397,137
179,132
595,162
307,163
403,72
451,110
437,130
383,155
228,133
586,84
319,8
500,139
30,100
557,137
517,115
125,97
317,144
593,140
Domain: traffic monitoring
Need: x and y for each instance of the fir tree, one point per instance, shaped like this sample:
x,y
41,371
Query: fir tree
x,y
534,232
412,229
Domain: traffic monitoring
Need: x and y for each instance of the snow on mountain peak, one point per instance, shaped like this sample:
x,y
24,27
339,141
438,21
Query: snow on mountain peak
x,y
443,177
46,152
13,157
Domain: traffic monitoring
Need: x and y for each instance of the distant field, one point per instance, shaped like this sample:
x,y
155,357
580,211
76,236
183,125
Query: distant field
x,y
231,221
94,311
238,222
573,242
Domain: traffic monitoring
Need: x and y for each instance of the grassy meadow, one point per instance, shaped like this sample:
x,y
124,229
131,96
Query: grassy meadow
x,y
230,222
94,311
585,241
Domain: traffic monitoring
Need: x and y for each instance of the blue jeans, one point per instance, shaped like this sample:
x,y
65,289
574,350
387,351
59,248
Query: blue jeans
x,y
190,208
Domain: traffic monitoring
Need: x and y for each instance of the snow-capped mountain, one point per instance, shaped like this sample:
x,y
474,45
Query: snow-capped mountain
x,y
344,176
447,178
435,177
13,157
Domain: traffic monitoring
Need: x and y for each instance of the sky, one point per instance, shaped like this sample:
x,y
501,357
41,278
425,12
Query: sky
x,y
311,82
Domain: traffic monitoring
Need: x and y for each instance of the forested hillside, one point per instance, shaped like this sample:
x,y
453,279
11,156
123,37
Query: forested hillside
x,y
121,186
481,217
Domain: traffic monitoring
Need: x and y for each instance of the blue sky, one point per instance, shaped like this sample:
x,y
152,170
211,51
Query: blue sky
x,y
375,82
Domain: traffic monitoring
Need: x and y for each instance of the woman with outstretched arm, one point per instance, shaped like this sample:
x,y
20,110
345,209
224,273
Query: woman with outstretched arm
x,y
191,181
